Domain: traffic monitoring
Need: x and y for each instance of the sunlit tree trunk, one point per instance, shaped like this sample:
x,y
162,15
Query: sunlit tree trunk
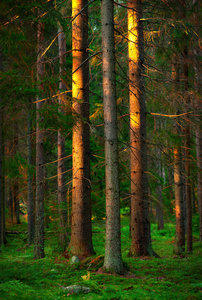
x,y
113,259
179,244
62,203
30,193
81,228
39,204
140,223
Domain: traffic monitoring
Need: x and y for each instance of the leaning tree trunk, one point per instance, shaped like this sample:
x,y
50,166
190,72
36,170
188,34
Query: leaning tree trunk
x,y
39,204
113,259
140,223
81,228
62,203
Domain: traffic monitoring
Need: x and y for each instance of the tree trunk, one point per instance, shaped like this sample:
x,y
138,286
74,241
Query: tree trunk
x,y
39,204
140,223
30,193
81,228
2,198
113,259
187,156
179,245
62,203
159,204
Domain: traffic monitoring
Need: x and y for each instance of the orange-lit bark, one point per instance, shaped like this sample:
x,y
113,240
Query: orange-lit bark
x,y
140,224
179,245
81,228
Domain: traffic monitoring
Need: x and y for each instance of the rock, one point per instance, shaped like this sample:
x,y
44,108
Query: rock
x,y
77,289
74,260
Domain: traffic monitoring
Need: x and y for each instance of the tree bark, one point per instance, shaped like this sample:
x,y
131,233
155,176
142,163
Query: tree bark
x,y
39,204
2,198
187,156
140,223
113,259
179,245
62,203
30,192
81,227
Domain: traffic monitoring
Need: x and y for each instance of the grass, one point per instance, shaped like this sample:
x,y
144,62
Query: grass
x,y
168,277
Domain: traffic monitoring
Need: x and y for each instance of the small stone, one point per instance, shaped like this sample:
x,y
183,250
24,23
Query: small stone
x,y
74,260
77,289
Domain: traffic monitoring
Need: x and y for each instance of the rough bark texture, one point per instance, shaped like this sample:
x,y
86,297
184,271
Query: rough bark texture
x,y
30,193
62,203
179,245
81,228
113,260
140,224
39,204
187,156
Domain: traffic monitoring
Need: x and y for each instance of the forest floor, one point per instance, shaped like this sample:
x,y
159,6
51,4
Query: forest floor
x,y
168,277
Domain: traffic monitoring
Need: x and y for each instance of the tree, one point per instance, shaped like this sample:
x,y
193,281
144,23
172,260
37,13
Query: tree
x,y
62,203
39,204
2,201
81,228
140,223
113,259
30,192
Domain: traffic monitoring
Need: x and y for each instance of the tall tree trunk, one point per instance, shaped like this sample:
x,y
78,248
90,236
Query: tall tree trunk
x,y
113,259
62,203
39,204
187,156
159,204
140,223
2,198
81,227
179,245
16,199
30,193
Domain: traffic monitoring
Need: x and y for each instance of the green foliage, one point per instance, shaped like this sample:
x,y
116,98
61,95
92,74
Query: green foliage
x,y
168,277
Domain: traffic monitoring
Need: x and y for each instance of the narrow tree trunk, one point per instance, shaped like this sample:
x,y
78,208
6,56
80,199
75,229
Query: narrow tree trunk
x,y
16,198
188,157
81,228
30,193
179,245
199,174
62,203
2,200
140,223
113,259
159,204
39,205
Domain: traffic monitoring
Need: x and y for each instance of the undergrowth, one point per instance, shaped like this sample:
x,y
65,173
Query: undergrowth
x,y
168,277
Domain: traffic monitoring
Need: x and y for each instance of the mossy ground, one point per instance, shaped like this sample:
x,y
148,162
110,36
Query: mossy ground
x,y
168,277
